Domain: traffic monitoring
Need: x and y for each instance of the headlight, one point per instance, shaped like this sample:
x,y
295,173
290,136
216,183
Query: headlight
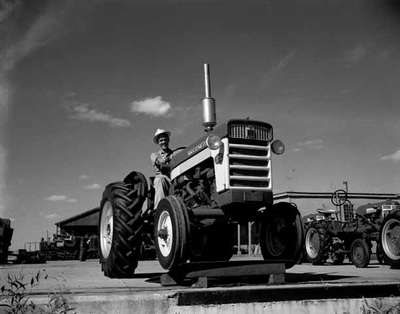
x,y
213,142
278,147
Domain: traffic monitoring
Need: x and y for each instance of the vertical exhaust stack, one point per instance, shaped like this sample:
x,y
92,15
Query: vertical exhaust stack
x,y
209,116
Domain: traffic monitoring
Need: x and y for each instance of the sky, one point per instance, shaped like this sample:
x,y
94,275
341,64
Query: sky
x,y
84,85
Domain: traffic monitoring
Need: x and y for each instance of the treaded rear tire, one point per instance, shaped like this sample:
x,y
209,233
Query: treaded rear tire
x,y
318,256
119,256
389,239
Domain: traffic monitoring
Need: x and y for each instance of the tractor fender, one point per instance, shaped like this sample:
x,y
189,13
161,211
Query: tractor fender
x,y
284,207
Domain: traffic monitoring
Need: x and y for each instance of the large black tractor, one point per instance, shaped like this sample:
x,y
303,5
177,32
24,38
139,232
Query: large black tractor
x,y
222,179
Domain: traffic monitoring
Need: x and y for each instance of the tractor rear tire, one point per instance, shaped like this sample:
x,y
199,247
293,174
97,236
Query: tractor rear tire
x,y
389,239
282,234
171,233
360,253
314,247
120,226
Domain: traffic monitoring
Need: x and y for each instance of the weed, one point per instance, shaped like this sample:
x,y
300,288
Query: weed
x,y
15,299
378,307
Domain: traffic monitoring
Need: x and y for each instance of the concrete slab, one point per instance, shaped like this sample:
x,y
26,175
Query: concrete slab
x,y
308,288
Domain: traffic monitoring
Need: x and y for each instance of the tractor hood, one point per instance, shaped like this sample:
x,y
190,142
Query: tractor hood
x,y
362,210
252,131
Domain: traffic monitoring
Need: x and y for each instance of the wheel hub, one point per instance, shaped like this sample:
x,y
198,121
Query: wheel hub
x,y
165,233
106,229
313,244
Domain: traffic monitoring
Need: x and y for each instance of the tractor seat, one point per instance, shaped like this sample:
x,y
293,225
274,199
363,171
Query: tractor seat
x,y
327,211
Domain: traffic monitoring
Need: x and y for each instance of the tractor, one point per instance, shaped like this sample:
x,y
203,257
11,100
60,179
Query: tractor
x,y
221,180
335,235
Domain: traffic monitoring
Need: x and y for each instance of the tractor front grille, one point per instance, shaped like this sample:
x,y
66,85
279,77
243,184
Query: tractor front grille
x,y
249,167
250,130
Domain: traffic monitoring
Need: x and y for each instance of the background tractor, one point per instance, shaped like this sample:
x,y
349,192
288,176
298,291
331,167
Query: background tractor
x,y
222,179
334,234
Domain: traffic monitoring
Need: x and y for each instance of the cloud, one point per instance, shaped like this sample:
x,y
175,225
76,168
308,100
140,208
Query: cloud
x,y
269,75
83,177
151,106
60,198
82,111
52,216
356,54
395,157
315,144
94,186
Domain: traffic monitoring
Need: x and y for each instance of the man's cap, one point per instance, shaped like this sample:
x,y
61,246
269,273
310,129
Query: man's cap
x,y
158,133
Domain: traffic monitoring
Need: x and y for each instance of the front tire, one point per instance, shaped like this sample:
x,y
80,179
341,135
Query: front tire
x,y
389,239
120,225
360,253
282,234
171,233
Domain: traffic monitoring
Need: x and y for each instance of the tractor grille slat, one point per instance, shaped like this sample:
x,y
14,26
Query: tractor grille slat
x,y
249,166
250,131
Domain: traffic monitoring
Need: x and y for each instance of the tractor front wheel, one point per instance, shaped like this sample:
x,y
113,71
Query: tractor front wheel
x,y
390,239
360,253
171,233
281,234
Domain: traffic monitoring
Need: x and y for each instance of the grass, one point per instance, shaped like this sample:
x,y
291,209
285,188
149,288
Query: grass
x,y
15,296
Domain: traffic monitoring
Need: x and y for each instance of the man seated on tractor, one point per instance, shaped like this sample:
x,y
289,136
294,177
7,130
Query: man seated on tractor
x,y
160,161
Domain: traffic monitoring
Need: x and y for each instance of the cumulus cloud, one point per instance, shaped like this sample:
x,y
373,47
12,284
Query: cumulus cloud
x,y
52,216
83,177
314,144
356,54
395,157
84,112
60,198
156,106
94,186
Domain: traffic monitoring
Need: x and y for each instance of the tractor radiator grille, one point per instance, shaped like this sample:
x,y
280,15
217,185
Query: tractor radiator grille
x,y
249,167
250,131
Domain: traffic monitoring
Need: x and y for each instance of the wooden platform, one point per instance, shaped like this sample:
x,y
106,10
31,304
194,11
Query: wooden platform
x,y
201,272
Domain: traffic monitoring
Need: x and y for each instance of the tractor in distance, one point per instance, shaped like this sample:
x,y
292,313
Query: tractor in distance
x,y
333,234
222,179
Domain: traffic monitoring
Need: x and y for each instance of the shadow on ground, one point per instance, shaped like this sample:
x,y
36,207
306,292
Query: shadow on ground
x,y
252,280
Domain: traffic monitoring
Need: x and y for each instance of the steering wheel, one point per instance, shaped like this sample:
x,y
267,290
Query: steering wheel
x,y
339,197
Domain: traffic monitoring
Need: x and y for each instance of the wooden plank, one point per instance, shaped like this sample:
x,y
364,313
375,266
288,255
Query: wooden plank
x,y
238,270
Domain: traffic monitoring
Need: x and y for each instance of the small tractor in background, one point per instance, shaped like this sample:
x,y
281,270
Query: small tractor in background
x,y
222,179
332,234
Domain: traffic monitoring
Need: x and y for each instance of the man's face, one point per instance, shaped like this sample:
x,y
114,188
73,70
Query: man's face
x,y
163,141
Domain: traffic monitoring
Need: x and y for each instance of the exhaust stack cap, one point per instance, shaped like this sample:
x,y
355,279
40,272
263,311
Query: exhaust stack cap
x,y
209,115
